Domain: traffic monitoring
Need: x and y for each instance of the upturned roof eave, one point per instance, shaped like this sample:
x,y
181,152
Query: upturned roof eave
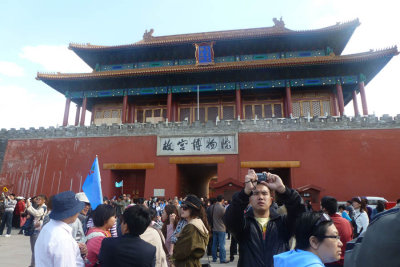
x,y
278,63
217,35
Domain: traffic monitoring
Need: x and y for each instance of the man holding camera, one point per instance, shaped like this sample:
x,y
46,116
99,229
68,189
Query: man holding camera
x,y
262,232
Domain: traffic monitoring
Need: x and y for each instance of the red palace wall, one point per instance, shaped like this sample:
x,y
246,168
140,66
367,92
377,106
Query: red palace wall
x,y
342,163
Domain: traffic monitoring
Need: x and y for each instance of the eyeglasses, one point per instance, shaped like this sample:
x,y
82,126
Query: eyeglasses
x,y
337,237
184,207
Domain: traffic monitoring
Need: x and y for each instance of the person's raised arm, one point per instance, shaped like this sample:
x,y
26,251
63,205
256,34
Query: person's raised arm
x,y
234,214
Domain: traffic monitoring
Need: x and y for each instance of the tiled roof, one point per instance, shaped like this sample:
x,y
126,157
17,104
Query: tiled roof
x,y
256,64
276,30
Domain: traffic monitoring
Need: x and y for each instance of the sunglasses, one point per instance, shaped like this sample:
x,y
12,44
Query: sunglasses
x,y
184,207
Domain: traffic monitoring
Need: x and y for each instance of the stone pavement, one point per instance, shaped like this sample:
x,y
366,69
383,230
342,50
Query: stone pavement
x,y
15,251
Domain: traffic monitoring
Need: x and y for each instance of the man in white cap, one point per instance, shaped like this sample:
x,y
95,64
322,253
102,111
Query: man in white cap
x,y
55,245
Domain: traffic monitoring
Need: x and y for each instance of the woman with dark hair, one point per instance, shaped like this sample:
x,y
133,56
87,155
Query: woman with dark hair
x,y
170,218
317,242
361,220
193,239
103,219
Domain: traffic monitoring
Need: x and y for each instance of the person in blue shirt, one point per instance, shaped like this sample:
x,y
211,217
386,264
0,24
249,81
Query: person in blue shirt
x,y
343,213
317,242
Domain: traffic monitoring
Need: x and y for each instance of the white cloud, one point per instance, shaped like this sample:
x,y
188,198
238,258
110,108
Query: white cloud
x,y
11,69
31,109
54,58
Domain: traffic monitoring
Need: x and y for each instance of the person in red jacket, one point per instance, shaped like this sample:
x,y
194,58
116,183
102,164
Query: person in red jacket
x,y
19,210
329,206
103,219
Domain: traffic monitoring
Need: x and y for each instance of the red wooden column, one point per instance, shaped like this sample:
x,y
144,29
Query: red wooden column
x,y
66,111
124,108
169,106
355,104
238,104
363,98
82,123
334,108
131,113
174,111
289,100
92,117
78,111
339,92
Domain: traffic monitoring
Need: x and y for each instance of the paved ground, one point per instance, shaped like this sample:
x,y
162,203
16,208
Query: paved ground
x,y
15,251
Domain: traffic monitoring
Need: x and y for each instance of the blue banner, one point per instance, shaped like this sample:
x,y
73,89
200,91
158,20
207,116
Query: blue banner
x,y
120,184
92,185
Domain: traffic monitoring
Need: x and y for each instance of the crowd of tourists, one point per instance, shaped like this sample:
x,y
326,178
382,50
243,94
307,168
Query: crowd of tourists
x,y
268,221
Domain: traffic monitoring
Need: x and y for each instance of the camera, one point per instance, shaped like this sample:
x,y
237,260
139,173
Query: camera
x,y
262,177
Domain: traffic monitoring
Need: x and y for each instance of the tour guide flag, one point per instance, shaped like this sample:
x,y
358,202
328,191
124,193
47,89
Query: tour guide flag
x,y
92,185
120,184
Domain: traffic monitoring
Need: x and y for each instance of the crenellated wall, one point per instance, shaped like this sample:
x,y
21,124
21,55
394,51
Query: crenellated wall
x,y
229,126
344,156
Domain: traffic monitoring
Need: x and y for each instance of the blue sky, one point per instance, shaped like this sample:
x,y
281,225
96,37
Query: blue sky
x,y
35,36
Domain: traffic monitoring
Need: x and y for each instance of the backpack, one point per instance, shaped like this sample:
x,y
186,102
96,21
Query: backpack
x,y
29,227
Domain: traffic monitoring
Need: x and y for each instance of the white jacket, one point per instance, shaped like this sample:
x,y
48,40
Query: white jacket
x,y
362,220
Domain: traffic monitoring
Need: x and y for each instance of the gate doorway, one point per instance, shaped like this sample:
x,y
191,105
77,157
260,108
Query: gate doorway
x,y
195,178
133,182
284,173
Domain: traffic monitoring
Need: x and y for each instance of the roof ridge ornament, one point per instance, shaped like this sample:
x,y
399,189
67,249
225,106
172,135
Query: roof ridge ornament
x,y
279,23
148,35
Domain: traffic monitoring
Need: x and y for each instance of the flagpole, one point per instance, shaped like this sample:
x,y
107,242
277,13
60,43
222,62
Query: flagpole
x,y
198,103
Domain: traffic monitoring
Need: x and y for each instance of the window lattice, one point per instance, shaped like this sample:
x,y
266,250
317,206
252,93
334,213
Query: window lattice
x,y
184,113
107,114
316,108
157,113
306,108
148,114
248,111
326,108
99,115
228,112
164,113
258,111
115,114
296,109
268,111
140,115
278,110
212,113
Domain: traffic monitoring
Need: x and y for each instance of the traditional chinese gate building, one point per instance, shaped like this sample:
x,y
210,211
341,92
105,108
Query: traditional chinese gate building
x,y
191,113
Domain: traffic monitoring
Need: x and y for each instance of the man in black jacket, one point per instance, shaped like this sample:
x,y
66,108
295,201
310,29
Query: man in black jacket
x,y
261,232
129,249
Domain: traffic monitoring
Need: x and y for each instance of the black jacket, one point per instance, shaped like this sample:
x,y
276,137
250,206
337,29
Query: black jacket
x,y
253,250
126,251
